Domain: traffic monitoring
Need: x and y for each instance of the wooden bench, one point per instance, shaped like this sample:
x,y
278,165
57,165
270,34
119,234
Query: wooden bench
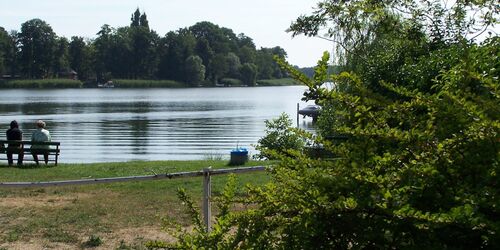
x,y
25,146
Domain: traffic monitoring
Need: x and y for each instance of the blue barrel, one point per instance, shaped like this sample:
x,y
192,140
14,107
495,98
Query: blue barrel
x,y
238,156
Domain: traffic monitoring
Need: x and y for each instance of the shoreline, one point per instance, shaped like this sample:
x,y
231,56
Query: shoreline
x,y
129,83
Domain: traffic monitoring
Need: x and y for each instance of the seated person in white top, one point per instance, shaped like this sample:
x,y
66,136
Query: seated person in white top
x,y
40,135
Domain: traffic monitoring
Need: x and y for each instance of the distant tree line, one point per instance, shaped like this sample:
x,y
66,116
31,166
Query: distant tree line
x,y
201,54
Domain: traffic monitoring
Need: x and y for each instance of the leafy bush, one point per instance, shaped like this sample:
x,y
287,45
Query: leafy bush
x,y
280,138
93,241
124,83
277,82
157,244
418,171
219,237
42,83
418,168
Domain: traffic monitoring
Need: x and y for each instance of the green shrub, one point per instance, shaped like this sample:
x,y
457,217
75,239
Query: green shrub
x,y
419,164
42,83
414,172
126,83
157,244
278,82
198,238
93,241
280,138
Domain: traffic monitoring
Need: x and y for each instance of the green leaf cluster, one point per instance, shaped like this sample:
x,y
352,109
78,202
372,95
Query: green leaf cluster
x,y
280,139
222,234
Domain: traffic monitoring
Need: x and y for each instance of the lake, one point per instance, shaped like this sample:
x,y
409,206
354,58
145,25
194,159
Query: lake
x,y
105,125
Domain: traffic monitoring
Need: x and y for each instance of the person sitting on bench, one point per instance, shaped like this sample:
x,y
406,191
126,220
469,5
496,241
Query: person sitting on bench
x,y
40,135
15,134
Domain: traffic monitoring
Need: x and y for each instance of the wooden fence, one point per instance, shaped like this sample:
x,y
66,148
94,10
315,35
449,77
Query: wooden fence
x,y
206,173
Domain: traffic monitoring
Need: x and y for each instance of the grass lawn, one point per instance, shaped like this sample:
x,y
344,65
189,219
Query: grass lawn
x,y
122,215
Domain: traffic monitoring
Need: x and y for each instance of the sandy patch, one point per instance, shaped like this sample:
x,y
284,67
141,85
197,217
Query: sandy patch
x,y
135,238
41,201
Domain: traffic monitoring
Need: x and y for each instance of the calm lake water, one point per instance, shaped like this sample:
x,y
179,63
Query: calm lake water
x,y
103,125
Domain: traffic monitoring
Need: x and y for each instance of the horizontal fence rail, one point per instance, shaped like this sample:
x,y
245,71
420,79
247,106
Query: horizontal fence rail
x,y
131,178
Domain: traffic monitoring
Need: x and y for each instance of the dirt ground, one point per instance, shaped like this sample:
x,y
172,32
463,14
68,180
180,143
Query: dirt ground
x,y
123,238
127,238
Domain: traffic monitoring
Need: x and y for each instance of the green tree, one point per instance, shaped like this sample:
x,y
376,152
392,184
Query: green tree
x,y
136,18
113,53
76,53
219,67
381,37
264,62
267,66
143,20
5,50
248,73
37,44
245,41
247,54
205,52
143,46
143,52
195,70
121,61
177,47
61,56
233,65
213,43
103,57
3,44
219,39
81,57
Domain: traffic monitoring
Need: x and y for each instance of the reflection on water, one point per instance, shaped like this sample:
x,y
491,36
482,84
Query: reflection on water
x,y
99,125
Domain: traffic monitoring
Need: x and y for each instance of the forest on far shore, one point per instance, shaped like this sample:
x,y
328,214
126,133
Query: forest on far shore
x,y
202,54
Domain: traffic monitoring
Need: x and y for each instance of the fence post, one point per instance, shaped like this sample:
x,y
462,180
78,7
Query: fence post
x,y
207,193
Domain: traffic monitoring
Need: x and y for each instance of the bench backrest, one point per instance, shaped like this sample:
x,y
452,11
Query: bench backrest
x,y
51,143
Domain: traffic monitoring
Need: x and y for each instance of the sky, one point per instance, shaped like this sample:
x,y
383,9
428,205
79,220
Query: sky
x,y
265,21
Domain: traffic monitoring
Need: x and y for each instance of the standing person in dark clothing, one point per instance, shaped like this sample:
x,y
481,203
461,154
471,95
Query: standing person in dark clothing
x,y
14,134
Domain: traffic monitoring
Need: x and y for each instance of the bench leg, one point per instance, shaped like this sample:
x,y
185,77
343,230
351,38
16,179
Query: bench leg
x,y
35,158
20,158
9,159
